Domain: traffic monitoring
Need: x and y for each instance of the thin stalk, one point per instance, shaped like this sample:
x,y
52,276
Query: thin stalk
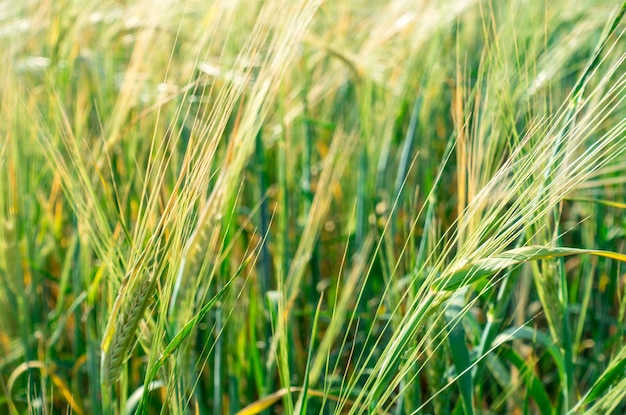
x,y
217,359
359,233
307,191
283,218
264,219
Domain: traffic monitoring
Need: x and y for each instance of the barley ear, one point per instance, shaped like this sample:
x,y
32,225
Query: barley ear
x,y
130,305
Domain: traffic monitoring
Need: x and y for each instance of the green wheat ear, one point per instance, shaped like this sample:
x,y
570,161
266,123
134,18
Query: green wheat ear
x,y
129,308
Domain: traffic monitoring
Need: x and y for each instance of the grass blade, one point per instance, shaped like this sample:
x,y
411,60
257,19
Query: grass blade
x,y
458,349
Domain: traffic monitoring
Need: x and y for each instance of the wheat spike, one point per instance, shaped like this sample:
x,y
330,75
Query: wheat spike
x,y
129,308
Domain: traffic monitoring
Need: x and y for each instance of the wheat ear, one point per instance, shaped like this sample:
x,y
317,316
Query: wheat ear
x,y
129,308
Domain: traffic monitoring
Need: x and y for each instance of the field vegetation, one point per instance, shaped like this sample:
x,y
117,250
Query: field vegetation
x,y
291,207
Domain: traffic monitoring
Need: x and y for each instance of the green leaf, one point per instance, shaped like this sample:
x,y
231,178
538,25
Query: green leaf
x,y
458,350
187,328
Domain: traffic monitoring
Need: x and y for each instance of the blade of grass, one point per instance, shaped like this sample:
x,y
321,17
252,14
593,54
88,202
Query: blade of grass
x,y
458,348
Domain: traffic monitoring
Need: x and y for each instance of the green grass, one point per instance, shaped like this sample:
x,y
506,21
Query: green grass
x,y
340,207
